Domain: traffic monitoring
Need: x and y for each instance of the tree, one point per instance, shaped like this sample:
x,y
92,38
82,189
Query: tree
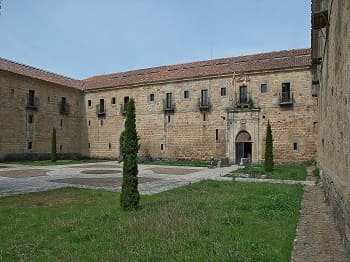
x,y
268,165
130,197
53,145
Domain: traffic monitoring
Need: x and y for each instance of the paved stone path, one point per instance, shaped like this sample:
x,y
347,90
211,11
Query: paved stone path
x,y
317,237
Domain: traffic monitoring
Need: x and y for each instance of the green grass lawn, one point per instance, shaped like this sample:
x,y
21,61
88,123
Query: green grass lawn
x,y
195,163
291,172
206,221
58,162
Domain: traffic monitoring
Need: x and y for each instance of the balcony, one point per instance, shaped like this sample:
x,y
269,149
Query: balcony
x,y
100,110
204,104
123,108
286,99
31,103
63,108
168,106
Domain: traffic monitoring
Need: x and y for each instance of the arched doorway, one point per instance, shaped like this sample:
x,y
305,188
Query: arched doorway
x,y
243,146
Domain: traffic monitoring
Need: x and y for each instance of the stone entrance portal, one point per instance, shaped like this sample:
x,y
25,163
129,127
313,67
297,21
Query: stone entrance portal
x,y
243,147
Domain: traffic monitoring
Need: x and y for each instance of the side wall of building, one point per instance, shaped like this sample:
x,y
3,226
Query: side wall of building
x,y
334,114
189,132
21,126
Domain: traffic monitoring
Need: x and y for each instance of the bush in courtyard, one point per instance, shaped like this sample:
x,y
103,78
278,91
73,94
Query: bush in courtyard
x,y
268,164
130,197
53,145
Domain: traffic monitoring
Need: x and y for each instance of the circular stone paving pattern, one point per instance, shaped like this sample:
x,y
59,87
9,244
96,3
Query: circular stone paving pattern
x,y
100,171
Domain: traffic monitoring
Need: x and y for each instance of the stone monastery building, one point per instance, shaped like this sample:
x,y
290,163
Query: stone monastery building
x,y
216,108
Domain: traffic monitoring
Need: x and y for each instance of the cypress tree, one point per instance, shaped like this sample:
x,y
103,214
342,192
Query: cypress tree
x,y
53,145
130,197
268,165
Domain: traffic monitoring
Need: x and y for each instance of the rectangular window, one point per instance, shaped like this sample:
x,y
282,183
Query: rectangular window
x,y
30,145
286,92
63,100
89,145
216,135
113,101
102,105
31,96
204,97
243,95
168,119
169,100
263,88
109,146
151,97
30,119
223,91
61,147
89,103
101,122
295,146
205,116
161,147
61,122
186,94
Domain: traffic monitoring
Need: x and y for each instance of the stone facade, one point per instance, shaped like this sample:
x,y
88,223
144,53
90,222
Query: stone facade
x,y
331,77
26,128
218,109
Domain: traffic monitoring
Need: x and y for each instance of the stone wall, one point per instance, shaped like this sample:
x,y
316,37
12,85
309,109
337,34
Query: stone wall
x,y
16,129
334,112
191,133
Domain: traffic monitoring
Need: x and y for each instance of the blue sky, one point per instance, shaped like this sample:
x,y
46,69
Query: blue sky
x,y
83,38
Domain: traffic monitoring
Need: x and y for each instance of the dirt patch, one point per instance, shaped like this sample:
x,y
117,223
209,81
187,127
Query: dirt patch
x,y
100,171
99,182
173,171
24,173
95,166
43,199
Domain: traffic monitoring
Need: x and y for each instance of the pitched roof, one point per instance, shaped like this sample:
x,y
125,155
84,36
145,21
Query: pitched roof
x,y
17,68
250,63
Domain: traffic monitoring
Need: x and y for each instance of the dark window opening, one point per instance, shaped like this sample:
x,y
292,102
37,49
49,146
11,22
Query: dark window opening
x,y
110,146
89,103
48,99
113,101
223,91
101,122
89,145
169,100
285,96
61,122
168,119
89,123
186,94
205,116
30,119
61,147
151,97
12,92
243,95
30,145
295,146
63,100
102,106
31,96
263,88
161,147
204,97
216,134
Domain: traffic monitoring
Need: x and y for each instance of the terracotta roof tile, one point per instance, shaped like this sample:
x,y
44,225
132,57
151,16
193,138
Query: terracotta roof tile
x,y
265,61
14,67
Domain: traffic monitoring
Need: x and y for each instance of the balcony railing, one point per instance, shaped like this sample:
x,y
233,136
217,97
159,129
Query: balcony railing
x,y
286,98
123,108
204,104
63,108
168,106
100,110
242,101
31,103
